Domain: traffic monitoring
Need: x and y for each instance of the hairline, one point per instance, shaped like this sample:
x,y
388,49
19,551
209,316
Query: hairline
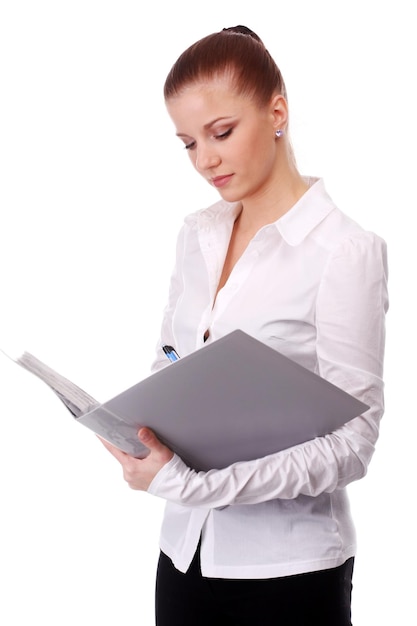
x,y
229,73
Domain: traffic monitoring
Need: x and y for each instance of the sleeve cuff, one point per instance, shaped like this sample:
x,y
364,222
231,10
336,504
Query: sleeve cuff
x,y
174,465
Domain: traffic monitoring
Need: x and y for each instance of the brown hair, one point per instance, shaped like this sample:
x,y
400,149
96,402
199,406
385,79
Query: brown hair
x,y
236,51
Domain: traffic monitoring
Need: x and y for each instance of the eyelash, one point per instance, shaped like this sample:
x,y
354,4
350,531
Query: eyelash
x,y
225,135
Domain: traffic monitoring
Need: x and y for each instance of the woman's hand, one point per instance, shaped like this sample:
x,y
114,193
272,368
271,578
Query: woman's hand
x,y
139,473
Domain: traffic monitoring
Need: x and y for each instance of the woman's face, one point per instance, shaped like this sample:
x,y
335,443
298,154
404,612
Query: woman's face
x,y
229,137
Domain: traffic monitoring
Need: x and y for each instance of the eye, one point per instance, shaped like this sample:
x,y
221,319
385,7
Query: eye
x,y
190,145
224,135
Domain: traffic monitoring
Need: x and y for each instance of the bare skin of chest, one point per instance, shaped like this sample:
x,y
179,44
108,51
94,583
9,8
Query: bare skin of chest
x,y
239,241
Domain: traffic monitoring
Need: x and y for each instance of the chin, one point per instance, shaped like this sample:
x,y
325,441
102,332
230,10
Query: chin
x,y
229,195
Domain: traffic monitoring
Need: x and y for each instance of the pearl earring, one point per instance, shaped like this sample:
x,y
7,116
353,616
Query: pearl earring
x,y
279,133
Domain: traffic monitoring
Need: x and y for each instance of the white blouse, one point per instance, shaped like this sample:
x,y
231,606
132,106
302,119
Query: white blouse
x,y
312,285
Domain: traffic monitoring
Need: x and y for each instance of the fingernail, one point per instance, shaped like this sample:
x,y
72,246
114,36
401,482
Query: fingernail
x,y
144,435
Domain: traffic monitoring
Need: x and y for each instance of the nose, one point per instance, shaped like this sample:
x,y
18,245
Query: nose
x,y
206,157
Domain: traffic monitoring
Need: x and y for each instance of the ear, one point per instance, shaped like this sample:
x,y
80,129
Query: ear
x,y
279,111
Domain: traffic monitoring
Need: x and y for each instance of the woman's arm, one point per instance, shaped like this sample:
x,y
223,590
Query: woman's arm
x,y
175,289
350,314
351,306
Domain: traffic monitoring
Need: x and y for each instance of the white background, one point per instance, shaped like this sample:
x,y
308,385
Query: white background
x,y
94,186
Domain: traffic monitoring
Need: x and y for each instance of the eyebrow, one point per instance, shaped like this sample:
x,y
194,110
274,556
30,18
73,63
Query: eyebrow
x,y
209,124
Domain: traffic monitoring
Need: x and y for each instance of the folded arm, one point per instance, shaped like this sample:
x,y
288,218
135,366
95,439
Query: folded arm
x,y
350,321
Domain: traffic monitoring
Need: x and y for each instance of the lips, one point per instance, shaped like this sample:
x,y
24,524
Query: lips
x,y
221,181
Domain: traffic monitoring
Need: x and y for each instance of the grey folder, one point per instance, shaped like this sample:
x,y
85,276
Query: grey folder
x,y
235,399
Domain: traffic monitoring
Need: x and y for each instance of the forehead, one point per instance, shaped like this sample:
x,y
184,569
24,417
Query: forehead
x,y
207,99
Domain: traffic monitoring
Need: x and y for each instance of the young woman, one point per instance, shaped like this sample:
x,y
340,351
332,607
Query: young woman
x,y
270,541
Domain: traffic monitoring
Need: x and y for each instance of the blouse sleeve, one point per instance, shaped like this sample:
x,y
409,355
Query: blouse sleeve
x,y
350,320
175,288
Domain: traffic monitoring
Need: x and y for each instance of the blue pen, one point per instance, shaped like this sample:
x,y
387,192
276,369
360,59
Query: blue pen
x,y
171,353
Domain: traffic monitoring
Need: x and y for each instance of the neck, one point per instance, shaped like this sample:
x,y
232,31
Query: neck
x,y
273,202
